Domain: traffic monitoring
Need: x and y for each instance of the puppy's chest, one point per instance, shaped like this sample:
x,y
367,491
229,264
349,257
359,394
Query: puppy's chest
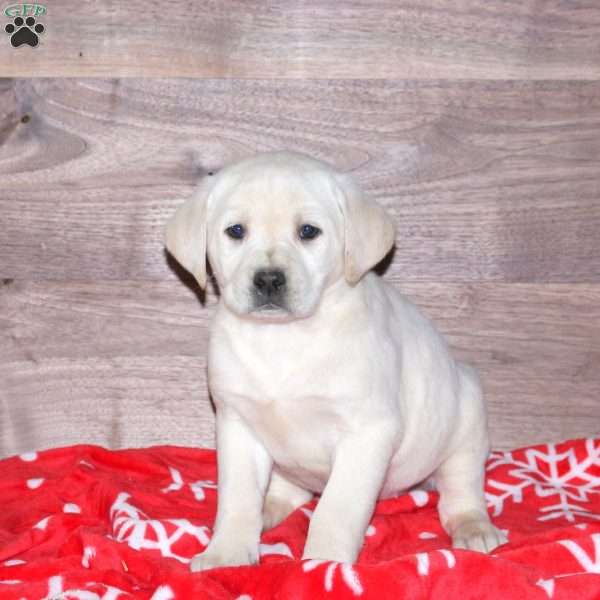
x,y
298,401
300,433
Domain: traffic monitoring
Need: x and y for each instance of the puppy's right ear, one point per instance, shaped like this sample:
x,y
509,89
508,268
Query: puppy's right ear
x,y
185,233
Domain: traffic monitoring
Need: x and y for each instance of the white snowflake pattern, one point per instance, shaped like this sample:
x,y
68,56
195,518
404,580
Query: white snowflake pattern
x,y
547,585
278,548
28,456
163,592
197,487
349,575
423,558
590,564
527,474
132,525
56,591
89,554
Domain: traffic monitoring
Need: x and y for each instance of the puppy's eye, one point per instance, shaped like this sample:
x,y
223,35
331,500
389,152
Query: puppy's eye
x,y
308,232
236,232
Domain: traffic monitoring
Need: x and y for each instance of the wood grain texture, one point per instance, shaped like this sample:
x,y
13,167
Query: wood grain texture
x,y
512,39
496,181
119,364
123,363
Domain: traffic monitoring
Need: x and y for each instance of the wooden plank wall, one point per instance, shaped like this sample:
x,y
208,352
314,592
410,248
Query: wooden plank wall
x,y
476,123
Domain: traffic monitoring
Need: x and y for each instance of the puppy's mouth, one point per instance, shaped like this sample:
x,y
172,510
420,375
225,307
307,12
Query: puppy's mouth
x,y
269,309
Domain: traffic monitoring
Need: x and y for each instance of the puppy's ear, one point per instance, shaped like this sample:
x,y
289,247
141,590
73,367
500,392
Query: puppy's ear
x,y
185,233
368,231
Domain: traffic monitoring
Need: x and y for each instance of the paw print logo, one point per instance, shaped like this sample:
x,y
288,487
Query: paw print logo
x,y
24,32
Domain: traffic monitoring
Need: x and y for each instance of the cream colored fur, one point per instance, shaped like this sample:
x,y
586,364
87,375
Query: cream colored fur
x,y
348,392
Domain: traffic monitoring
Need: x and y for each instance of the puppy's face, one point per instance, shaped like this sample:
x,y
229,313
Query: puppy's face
x,y
275,242
278,229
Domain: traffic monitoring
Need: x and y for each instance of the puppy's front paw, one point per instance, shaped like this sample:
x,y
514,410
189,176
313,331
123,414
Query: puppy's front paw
x,y
477,534
231,555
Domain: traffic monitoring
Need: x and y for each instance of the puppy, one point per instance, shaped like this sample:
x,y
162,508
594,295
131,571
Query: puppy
x,y
325,379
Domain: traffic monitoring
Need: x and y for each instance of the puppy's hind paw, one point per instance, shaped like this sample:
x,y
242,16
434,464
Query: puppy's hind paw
x,y
235,556
479,535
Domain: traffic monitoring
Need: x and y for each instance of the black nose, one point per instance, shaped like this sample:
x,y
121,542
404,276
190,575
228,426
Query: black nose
x,y
269,283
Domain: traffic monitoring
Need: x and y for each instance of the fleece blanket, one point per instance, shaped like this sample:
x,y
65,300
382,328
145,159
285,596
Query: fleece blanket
x,y
88,523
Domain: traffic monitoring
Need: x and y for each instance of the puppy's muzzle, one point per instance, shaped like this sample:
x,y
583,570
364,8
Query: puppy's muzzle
x,y
269,289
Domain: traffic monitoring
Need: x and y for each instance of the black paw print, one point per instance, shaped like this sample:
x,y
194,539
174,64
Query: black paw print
x,y
24,32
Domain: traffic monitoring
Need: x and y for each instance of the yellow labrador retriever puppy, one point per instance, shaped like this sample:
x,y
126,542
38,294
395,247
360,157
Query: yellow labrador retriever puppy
x,y
325,379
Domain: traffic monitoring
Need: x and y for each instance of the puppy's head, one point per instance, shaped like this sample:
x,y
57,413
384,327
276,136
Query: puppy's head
x,y
278,229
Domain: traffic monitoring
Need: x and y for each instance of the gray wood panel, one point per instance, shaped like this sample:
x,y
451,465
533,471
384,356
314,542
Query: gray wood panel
x,y
123,363
119,364
318,38
496,181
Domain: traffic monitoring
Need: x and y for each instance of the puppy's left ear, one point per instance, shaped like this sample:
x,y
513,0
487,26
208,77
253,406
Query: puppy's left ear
x,y
185,233
368,231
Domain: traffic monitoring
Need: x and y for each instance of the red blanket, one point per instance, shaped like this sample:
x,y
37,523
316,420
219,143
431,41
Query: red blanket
x,y
88,523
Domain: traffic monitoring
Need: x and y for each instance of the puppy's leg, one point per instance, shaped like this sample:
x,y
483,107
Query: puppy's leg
x,y
460,479
462,507
282,498
339,522
243,467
